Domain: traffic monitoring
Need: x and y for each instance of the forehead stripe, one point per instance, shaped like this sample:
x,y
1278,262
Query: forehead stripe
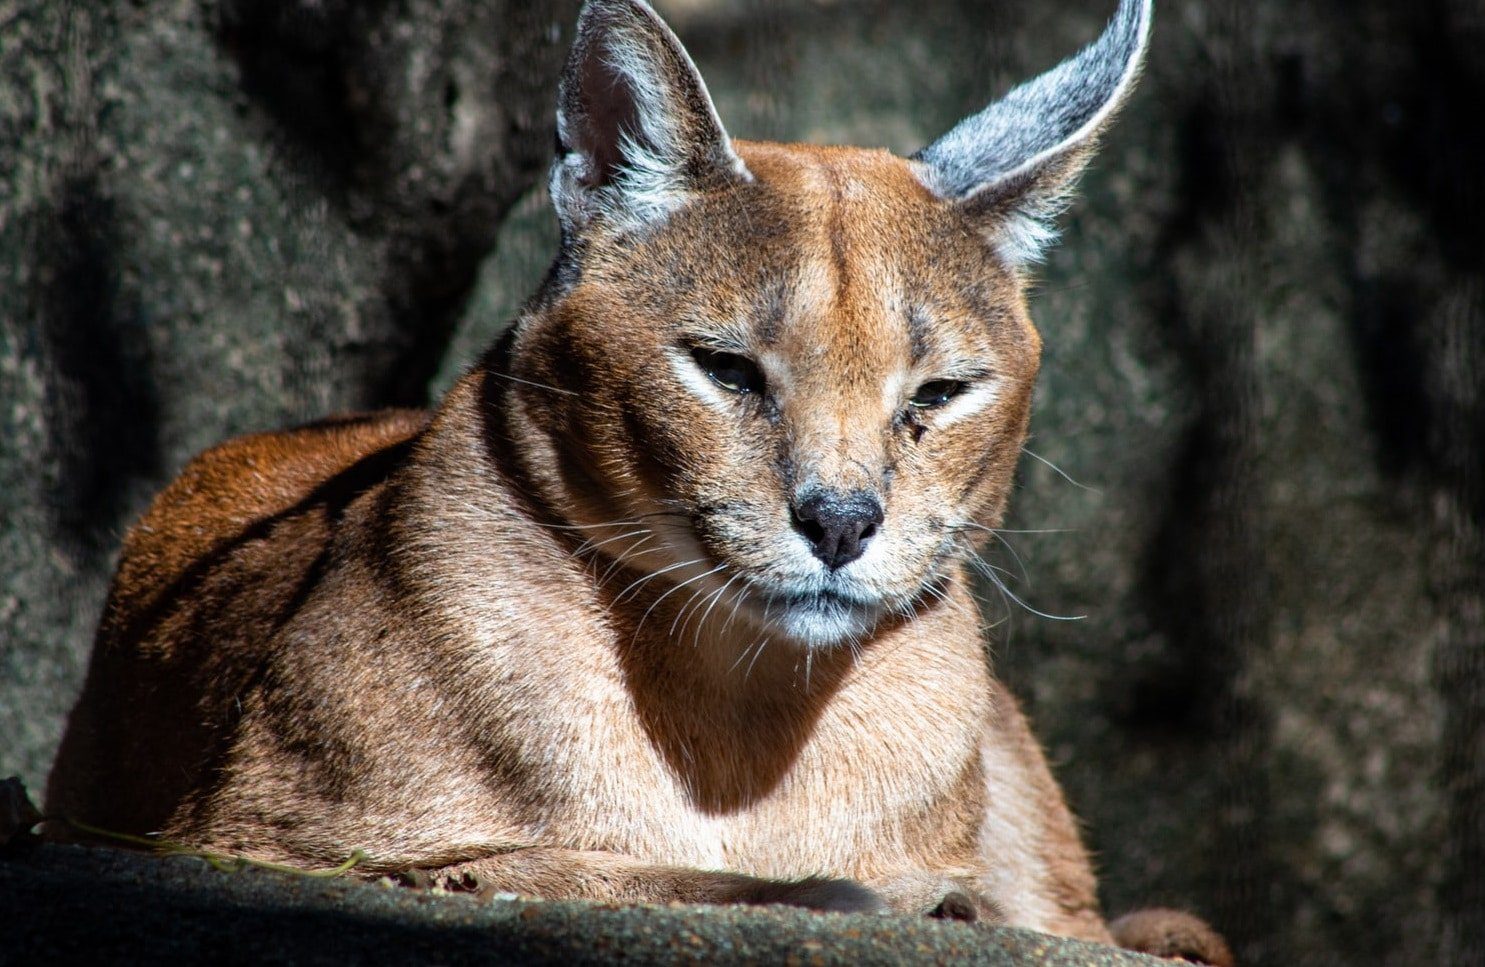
x,y
918,340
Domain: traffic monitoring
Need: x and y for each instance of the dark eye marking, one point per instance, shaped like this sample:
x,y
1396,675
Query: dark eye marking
x,y
918,341
936,392
732,372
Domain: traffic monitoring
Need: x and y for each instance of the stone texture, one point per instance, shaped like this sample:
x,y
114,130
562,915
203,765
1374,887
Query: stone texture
x,y
69,904
217,218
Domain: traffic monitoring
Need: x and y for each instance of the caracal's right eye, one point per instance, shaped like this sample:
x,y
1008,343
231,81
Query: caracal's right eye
x,y
936,393
734,373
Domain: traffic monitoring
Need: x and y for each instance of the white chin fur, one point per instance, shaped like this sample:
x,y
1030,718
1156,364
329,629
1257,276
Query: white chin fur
x,y
818,624
806,621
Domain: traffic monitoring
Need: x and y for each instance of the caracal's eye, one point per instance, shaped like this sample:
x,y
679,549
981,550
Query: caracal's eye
x,y
734,373
936,393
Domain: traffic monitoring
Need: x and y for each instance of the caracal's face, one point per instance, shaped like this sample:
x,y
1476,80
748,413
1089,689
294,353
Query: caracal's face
x,y
796,397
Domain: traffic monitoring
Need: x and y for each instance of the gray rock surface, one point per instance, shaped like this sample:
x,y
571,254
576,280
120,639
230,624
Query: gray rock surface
x,y
1265,372
217,218
69,904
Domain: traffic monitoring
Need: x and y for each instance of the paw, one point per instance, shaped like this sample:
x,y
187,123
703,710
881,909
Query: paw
x,y
814,893
1172,934
956,906
940,897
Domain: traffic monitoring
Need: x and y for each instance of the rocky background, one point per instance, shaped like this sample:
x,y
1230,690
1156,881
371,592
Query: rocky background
x,y
1264,387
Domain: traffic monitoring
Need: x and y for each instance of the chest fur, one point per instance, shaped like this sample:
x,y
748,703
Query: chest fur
x,y
779,786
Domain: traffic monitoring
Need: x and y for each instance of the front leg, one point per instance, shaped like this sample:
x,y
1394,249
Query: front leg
x,y
562,874
1036,870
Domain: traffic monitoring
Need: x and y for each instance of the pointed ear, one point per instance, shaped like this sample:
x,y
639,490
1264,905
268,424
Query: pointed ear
x,y
637,132
1016,162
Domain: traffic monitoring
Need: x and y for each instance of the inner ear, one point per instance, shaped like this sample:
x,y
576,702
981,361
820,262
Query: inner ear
x,y
610,113
639,135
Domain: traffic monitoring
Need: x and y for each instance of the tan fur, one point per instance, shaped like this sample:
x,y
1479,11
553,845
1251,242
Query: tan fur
x,y
388,650
434,638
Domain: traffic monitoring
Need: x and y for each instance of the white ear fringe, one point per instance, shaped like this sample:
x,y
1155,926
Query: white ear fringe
x,y
1034,129
1024,238
652,180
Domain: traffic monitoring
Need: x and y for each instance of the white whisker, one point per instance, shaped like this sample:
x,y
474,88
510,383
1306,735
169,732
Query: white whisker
x,y
762,644
713,598
989,572
591,545
1060,472
718,596
656,603
644,579
629,553
527,382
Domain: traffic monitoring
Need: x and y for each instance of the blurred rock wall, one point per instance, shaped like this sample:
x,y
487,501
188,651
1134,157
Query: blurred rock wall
x,y
1258,470
216,218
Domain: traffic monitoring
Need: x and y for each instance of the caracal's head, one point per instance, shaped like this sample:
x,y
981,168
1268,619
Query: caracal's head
x,y
790,382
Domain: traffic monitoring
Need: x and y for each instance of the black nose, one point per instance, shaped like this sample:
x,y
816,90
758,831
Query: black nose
x,y
838,525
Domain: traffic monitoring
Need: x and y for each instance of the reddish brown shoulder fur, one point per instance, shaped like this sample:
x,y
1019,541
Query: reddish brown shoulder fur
x,y
165,662
238,483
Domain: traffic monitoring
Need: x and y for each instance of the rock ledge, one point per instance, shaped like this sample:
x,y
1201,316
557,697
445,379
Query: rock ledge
x,y
72,904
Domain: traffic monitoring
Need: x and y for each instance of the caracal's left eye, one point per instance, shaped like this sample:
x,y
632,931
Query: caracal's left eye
x,y
734,373
936,393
